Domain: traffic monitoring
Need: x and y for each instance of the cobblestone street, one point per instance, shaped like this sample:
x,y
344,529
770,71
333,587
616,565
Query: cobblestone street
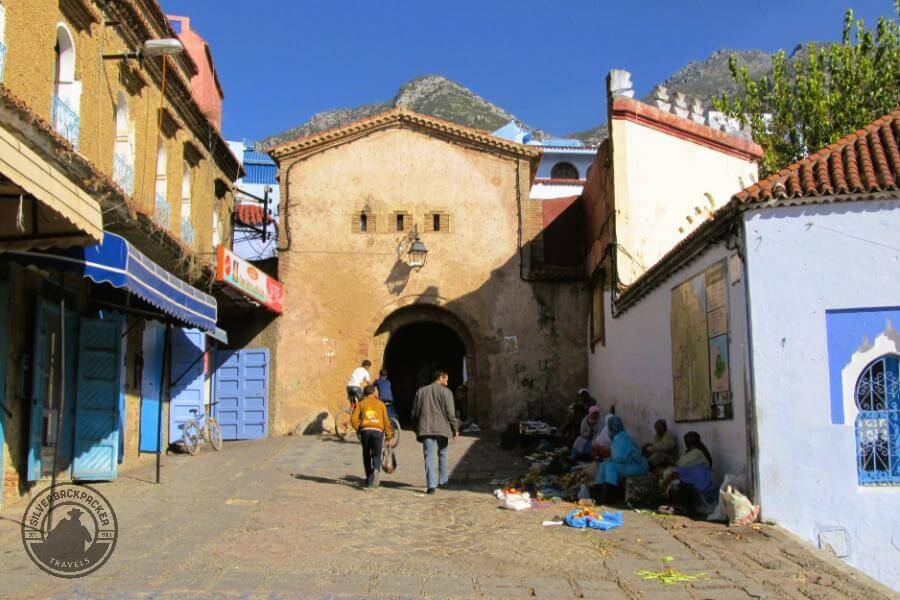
x,y
286,518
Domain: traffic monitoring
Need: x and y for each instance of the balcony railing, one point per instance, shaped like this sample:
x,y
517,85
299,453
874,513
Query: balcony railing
x,y
187,231
2,59
66,121
123,173
161,210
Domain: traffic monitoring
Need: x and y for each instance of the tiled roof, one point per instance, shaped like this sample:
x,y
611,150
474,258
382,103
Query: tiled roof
x,y
867,160
401,116
250,214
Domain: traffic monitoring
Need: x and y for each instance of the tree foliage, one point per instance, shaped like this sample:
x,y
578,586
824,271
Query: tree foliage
x,y
820,94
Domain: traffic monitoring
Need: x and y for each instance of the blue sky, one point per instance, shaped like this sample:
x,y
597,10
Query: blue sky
x,y
281,61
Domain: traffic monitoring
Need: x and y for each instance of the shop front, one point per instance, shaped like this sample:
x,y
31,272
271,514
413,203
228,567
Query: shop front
x,y
88,306
250,300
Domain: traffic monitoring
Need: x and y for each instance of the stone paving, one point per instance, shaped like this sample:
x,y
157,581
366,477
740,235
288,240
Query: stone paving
x,y
286,518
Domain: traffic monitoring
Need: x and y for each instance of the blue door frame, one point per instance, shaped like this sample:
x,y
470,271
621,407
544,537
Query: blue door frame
x,y
241,388
187,379
154,340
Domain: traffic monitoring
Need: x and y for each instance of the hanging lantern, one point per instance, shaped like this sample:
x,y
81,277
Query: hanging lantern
x,y
417,253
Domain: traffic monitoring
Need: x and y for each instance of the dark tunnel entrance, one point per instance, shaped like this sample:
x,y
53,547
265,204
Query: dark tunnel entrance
x,y
414,352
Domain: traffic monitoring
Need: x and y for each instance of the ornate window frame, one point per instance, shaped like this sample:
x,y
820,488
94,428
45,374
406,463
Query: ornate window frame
x,y
871,386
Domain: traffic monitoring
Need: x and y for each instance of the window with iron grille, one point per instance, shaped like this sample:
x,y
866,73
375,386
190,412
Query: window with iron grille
x,y
877,396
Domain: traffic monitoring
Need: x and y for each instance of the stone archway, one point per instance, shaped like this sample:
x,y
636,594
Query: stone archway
x,y
417,338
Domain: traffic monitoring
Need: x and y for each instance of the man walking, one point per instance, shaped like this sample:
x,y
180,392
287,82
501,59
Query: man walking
x,y
370,419
435,418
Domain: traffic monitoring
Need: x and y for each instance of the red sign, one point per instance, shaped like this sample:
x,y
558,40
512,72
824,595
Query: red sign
x,y
249,280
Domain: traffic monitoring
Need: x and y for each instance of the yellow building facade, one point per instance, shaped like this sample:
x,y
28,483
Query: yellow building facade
x,y
92,142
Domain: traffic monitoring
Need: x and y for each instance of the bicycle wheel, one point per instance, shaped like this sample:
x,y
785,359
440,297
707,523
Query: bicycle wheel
x,y
214,433
395,441
190,436
342,425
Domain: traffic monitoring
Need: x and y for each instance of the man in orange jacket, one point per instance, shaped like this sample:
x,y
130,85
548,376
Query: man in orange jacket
x,y
370,419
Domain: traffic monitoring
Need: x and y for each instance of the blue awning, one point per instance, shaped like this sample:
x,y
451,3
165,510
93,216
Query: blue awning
x,y
121,265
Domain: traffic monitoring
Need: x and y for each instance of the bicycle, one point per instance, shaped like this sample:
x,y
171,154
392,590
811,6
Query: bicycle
x,y
201,429
343,428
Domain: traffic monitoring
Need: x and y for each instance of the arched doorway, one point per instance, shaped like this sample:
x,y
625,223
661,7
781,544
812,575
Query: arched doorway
x,y
412,355
416,339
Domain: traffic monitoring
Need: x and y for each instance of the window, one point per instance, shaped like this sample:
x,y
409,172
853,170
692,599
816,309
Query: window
x,y
363,222
400,222
2,39
216,234
161,195
66,91
877,396
563,170
123,153
436,219
187,229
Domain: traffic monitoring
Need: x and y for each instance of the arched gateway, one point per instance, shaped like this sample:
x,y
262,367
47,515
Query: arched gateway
x,y
414,340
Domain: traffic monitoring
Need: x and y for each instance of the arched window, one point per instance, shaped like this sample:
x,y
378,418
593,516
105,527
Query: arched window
x,y
877,396
2,39
123,153
564,170
161,192
187,230
216,224
66,90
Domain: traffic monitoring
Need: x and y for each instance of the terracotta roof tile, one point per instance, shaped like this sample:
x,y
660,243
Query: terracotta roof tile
x,y
249,214
867,160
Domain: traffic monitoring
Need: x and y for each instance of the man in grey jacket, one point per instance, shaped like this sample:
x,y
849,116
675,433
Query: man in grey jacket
x,y
435,418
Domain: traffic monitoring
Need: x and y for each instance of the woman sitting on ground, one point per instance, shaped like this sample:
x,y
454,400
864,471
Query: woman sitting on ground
x,y
581,449
690,487
625,460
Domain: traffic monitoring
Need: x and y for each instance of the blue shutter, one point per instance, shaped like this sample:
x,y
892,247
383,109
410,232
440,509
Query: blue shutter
x,y
187,379
242,393
38,386
154,340
97,408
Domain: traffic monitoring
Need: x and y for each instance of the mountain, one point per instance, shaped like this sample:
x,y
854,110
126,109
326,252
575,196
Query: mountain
x,y
433,95
699,79
440,97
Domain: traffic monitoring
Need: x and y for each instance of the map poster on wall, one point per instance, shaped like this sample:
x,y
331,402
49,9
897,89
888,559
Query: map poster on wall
x,y
700,367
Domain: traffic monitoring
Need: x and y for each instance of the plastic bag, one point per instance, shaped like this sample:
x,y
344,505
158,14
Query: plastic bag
x,y
735,481
606,521
388,460
738,507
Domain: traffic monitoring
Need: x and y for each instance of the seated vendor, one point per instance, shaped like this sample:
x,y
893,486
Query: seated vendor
x,y
663,451
625,460
690,487
590,425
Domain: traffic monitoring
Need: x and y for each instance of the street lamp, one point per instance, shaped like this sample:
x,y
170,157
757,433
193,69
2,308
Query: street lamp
x,y
417,252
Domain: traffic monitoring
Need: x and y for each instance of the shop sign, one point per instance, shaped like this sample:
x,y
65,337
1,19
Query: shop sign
x,y
239,274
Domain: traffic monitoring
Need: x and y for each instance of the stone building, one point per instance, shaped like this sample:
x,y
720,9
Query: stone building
x,y
486,306
85,157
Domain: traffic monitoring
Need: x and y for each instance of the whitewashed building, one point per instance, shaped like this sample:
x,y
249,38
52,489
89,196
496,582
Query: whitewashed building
x,y
771,329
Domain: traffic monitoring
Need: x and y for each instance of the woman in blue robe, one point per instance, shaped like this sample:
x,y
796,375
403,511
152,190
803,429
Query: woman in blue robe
x,y
625,458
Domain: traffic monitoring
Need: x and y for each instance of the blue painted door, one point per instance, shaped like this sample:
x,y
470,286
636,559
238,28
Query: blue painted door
x,y
44,318
242,392
154,338
97,408
4,354
186,377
